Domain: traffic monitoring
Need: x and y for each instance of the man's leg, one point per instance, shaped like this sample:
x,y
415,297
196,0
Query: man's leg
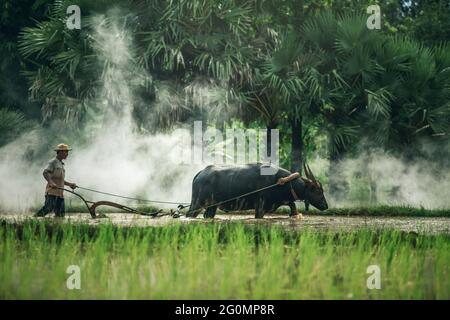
x,y
60,208
48,206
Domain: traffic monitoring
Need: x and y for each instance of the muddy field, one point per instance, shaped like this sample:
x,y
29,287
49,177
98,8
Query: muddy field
x,y
336,223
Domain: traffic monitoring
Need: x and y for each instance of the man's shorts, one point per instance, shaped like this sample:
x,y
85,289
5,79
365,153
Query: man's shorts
x,y
52,203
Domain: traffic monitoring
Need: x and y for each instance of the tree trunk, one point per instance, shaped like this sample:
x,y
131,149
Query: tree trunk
x,y
271,125
297,149
297,145
220,125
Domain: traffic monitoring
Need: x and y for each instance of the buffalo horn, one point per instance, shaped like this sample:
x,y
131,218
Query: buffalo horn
x,y
311,174
305,170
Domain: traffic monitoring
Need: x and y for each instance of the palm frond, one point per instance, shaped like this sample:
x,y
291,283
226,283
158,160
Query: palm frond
x,y
378,103
12,124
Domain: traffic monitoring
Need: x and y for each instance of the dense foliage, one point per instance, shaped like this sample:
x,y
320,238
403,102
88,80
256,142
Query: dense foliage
x,y
309,68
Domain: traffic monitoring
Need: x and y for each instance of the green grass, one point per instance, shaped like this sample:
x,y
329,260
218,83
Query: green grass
x,y
392,211
223,261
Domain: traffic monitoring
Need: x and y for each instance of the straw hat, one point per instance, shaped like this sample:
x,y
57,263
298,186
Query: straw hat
x,y
62,147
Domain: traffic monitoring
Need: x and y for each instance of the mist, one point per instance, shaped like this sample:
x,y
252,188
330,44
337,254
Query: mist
x,y
375,177
110,154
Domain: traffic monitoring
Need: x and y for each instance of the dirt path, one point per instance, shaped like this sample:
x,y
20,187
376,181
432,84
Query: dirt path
x,y
344,223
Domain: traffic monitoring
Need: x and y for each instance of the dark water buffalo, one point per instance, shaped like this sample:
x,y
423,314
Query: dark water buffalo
x,y
219,183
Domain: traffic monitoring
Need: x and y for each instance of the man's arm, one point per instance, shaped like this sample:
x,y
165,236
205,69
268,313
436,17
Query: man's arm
x,y
47,175
291,177
70,184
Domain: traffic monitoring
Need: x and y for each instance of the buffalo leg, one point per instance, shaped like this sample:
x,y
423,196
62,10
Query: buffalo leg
x,y
194,209
259,209
210,212
259,213
306,205
293,209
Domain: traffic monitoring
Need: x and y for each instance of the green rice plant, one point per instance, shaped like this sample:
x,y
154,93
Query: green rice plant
x,y
218,261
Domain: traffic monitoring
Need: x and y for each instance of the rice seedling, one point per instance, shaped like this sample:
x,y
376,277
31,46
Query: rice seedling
x,y
223,261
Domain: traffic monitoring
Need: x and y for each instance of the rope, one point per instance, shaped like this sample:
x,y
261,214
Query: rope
x,y
130,198
241,196
181,205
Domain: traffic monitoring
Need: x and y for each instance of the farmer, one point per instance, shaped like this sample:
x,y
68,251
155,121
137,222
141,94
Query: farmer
x,y
54,173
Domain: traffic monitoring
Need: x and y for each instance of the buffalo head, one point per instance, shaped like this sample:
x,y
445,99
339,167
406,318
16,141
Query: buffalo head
x,y
313,191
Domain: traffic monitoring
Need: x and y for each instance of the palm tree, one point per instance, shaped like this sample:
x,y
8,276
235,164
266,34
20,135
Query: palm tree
x,y
282,90
12,124
64,72
389,89
419,107
64,69
209,42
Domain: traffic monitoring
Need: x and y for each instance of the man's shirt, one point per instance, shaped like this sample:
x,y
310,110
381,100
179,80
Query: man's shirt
x,y
55,169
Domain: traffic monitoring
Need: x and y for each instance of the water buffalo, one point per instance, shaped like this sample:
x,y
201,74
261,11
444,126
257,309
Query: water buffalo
x,y
219,183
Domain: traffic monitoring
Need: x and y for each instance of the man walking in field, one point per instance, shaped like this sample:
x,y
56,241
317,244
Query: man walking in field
x,y
54,173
